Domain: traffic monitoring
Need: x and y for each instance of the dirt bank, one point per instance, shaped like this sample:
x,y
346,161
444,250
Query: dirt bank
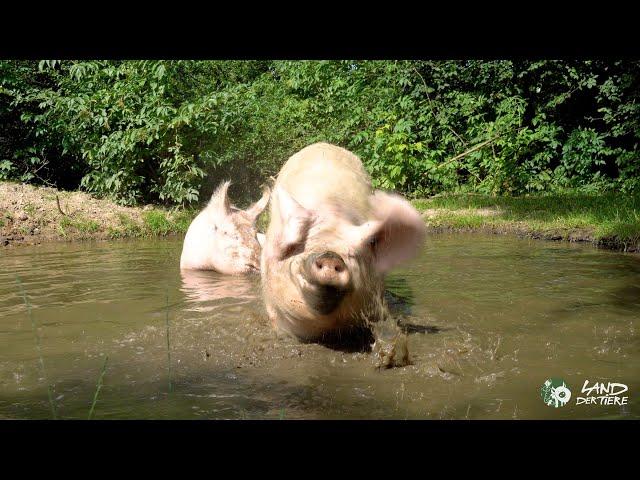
x,y
31,215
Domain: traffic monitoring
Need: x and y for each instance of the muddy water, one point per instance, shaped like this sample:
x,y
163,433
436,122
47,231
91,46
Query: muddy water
x,y
488,320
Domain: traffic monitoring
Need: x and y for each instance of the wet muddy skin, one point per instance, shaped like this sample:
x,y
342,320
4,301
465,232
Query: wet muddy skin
x,y
485,321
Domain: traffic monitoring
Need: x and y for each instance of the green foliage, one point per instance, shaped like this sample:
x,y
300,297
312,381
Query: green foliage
x,y
170,131
127,228
87,226
79,225
157,223
154,223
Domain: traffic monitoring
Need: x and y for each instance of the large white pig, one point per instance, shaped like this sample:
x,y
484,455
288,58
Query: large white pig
x,y
224,238
330,241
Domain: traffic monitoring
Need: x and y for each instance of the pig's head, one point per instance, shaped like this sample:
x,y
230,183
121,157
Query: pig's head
x,y
325,268
236,243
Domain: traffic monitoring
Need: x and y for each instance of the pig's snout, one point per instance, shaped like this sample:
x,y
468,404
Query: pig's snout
x,y
329,281
327,269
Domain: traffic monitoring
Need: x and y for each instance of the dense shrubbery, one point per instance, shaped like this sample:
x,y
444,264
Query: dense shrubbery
x,y
169,131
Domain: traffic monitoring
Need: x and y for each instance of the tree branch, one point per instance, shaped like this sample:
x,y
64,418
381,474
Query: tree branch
x,y
59,207
467,152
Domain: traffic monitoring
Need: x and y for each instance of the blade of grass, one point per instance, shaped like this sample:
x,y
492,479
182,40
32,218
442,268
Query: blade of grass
x,y
38,347
168,344
98,387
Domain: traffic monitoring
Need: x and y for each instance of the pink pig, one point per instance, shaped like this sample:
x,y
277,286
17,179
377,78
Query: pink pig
x,y
224,238
330,241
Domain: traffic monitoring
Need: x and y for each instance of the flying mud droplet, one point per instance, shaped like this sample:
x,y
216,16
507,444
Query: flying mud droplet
x,y
390,348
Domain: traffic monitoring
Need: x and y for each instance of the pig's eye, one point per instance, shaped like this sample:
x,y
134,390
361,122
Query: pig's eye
x,y
373,241
292,249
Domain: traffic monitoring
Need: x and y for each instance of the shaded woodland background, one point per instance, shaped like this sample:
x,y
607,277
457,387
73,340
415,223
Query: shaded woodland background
x,y
168,132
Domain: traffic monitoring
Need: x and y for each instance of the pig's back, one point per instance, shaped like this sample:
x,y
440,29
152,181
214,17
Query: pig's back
x,y
322,174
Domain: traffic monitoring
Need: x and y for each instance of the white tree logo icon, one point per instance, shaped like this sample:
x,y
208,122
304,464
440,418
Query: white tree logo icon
x,y
555,392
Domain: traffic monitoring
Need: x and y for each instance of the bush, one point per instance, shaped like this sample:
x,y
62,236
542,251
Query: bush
x,y
170,131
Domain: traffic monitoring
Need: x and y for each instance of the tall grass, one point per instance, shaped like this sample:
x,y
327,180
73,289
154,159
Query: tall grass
x,y
98,387
38,347
168,344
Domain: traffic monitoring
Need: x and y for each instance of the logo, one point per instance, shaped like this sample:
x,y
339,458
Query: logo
x,y
555,393
601,394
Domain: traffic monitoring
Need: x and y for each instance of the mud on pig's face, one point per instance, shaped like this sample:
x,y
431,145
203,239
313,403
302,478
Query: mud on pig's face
x,y
237,237
224,238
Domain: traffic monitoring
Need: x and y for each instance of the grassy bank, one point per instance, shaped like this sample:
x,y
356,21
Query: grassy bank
x,y
607,220
154,223
32,215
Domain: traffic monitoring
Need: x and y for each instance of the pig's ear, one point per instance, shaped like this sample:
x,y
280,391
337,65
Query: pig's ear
x,y
219,203
295,222
396,235
256,209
